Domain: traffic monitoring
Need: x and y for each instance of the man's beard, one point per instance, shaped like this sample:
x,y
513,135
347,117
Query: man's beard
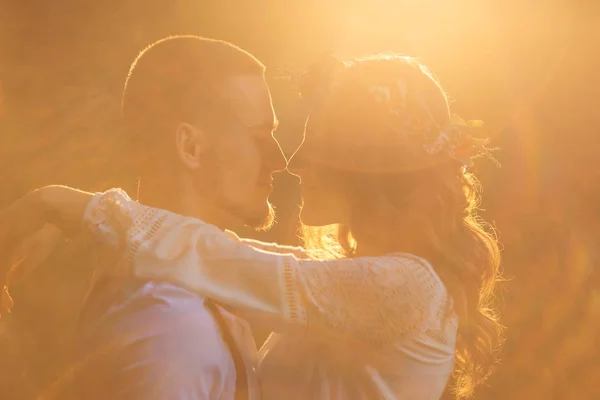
x,y
266,222
258,221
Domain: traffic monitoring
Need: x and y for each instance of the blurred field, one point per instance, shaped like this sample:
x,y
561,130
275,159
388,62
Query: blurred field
x,y
529,72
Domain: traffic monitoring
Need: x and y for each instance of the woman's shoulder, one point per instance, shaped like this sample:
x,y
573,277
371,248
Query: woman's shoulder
x,y
409,276
407,267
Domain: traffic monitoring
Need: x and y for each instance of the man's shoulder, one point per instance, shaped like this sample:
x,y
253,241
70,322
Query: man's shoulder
x,y
130,296
157,314
145,332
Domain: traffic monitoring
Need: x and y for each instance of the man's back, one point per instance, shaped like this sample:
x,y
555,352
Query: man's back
x,y
152,340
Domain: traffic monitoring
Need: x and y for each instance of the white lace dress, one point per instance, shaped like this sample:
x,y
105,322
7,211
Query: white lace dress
x,y
359,328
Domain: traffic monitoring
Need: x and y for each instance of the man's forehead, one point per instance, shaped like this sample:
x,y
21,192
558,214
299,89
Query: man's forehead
x,y
250,100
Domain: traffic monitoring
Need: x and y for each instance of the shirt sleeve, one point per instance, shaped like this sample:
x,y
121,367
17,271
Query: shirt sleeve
x,y
297,251
376,299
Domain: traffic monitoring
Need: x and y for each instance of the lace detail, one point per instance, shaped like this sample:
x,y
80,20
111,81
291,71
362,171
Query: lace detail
x,y
120,223
379,300
382,299
295,310
443,331
109,216
143,229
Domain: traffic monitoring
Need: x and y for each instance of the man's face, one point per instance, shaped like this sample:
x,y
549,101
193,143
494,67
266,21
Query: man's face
x,y
247,154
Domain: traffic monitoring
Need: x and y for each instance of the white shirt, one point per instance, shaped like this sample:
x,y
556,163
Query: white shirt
x,y
159,341
356,328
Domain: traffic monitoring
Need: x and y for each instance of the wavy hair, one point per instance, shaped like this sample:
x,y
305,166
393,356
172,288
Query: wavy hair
x,y
427,209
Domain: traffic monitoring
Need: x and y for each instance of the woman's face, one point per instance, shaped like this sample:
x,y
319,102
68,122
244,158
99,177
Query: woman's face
x,y
323,199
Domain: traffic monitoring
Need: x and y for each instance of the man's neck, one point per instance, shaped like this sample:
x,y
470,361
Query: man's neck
x,y
184,202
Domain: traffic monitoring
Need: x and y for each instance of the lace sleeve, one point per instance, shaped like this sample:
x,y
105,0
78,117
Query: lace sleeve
x,y
380,299
113,219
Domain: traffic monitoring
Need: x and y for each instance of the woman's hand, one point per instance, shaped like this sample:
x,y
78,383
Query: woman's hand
x,y
58,205
17,222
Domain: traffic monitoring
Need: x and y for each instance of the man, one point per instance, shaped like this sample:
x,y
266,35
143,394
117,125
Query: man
x,y
201,122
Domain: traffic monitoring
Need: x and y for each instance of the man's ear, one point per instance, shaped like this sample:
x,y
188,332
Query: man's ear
x,y
191,143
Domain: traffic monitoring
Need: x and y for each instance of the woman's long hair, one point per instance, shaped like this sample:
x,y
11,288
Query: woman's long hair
x,y
429,210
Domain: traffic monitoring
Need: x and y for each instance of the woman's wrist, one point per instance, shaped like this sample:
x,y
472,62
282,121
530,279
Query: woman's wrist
x,y
63,207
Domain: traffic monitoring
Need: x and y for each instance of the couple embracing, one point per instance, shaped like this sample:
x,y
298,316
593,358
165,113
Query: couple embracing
x,y
390,296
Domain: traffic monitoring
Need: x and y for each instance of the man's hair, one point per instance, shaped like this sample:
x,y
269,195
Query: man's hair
x,y
176,79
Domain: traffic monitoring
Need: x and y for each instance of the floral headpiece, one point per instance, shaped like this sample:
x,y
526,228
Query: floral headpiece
x,y
454,139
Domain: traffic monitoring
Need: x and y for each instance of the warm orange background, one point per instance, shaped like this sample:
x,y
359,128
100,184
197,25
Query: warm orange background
x,y
530,71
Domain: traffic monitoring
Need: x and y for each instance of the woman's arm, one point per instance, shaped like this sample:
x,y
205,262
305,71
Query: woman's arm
x,y
297,251
62,206
26,217
380,299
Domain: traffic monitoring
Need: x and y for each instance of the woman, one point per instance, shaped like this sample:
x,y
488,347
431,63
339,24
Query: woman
x,y
392,293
